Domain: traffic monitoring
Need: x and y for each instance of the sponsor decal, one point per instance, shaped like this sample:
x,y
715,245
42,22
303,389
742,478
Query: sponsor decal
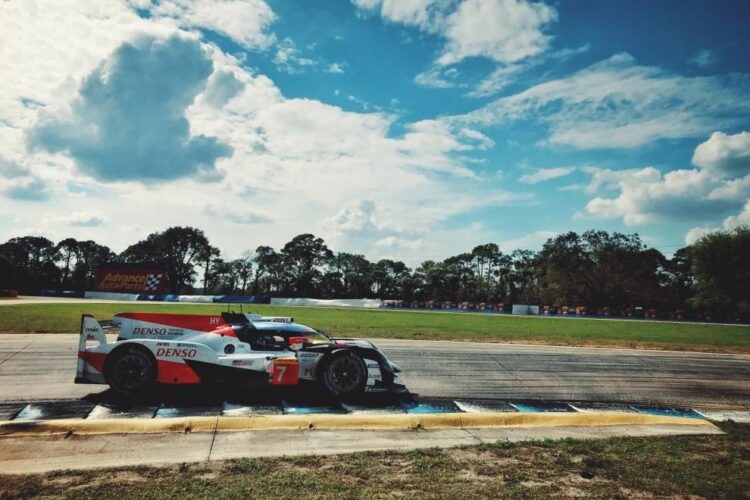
x,y
176,352
90,329
130,279
308,355
146,330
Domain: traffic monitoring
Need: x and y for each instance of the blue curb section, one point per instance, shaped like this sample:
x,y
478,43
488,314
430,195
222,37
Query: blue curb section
x,y
57,410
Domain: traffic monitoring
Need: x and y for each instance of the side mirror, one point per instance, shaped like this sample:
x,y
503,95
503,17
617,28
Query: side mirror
x,y
296,343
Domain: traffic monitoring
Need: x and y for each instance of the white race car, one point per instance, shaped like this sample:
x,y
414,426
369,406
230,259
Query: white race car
x,y
194,348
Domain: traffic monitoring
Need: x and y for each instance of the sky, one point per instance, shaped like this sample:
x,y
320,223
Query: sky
x,y
405,129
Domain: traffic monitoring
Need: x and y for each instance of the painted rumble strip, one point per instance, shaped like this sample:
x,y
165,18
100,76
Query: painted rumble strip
x,y
326,421
81,409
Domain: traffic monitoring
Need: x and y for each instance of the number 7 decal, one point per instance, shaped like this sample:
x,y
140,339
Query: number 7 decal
x,y
285,371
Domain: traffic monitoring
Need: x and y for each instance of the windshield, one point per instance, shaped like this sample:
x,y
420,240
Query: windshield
x,y
316,337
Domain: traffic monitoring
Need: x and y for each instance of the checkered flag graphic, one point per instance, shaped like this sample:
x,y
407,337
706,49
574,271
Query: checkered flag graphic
x,y
152,282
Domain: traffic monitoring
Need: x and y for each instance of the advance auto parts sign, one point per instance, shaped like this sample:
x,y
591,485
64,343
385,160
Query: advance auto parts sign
x,y
150,280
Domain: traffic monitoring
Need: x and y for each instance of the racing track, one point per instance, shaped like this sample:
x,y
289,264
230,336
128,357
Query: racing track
x,y
41,367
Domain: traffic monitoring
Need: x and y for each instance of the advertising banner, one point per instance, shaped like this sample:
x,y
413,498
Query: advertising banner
x,y
131,278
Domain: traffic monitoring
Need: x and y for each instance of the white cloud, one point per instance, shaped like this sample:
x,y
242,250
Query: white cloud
x,y
501,77
288,57
647,195
427,15
244,21
244,217
438,78
356,217
545,174
298,162
724,154
698,194
128,121
506,74
741,219
336,68
703,58
530,241
85,218
731,222
502,30
617,103
26,189
696,233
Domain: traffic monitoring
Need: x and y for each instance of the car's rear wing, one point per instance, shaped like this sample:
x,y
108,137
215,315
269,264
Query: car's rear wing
x,y
91,331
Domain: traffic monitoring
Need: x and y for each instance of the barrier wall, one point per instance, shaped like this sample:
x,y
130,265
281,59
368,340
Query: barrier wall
x,y
197,299
366,303
111,296
524,310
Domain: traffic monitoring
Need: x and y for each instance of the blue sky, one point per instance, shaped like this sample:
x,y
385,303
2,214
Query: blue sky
x,y
410,129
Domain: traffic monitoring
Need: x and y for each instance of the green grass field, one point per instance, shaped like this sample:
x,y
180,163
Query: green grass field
x,y
716,466
418,325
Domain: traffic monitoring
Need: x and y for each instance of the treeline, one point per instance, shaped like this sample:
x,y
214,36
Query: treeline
x,y
595,268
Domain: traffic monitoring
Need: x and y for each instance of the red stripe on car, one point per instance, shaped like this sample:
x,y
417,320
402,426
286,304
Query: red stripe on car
x,y
95,359
171,372
198,322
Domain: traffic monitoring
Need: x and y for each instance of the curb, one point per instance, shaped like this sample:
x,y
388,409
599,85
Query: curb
x,y
186,425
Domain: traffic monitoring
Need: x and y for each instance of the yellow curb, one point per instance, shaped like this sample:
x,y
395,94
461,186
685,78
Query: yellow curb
x,y
348,422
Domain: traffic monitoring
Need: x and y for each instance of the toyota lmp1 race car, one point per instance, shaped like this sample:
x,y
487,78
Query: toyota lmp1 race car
x,y
230,347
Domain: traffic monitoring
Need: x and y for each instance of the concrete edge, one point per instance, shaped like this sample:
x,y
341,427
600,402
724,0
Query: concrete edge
x,y
332,422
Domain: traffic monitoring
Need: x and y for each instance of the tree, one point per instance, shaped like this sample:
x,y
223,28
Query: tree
x,y
392,280
460,277
485,257
179,248
430,278
242,268
303,258
208,257
523,278
679,279
89,256
67,250
31,260
355,274
720,264
597,268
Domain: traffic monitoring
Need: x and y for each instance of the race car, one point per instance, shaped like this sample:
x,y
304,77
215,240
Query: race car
x,y
162,348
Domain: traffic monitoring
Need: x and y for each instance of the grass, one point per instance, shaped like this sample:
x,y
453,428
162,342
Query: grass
x,y
44,318
715,466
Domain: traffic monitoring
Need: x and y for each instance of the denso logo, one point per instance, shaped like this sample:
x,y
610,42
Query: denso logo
x,y
179,353
149,331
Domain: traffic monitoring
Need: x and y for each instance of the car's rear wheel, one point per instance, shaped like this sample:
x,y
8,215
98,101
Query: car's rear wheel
x,y
130,369
345,374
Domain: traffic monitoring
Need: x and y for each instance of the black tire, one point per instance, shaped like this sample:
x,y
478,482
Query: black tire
x,y
130,369
344,374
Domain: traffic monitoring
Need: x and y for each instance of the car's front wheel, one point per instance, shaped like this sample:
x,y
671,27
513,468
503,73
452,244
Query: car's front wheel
x,y
345,374
130,369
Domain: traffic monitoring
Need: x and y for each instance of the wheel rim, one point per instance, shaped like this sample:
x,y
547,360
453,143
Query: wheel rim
x,y
344,374
131,371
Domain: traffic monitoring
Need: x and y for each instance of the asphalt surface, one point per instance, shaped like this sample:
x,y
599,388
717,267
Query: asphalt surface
x,y
42,367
